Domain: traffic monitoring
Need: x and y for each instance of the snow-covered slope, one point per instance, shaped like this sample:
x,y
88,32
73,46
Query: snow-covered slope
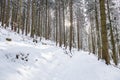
x,y
21,59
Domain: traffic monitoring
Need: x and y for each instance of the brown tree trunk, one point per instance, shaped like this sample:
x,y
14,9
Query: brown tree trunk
x,y
71,25
105,54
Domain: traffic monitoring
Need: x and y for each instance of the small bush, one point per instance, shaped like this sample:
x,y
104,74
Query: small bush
x,y
44,43
22,56
35,40
8,39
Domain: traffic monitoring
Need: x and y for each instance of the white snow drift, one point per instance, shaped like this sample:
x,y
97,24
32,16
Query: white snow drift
x,y
21,59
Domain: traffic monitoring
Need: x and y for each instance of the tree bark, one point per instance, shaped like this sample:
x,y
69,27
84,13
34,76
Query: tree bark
x,y
105,54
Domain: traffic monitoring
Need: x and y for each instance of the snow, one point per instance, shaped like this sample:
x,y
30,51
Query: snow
x,y
38,61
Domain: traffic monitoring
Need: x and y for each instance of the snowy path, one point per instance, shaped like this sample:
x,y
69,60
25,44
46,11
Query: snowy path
x,y
46,62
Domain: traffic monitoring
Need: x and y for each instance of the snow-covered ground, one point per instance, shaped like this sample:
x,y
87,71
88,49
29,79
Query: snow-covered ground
x,y
21,59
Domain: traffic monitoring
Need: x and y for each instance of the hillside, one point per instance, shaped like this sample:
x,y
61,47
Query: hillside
x,y
22,59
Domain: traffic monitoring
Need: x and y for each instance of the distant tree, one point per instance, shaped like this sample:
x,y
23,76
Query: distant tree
x,y
71,24
115,59
3,11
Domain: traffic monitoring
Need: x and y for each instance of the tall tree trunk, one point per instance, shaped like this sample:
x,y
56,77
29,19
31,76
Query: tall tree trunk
x,y
46,24
115,59
105,54
71,25
23,20
60,27
64,31
7,13
56,12
97,31
33,19
78,36
28,18
49,28
3,12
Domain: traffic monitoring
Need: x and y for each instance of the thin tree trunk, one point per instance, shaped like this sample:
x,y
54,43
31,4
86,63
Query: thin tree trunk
x,y
3,12
60,36
56,22
71,25
7,13
97,31
78,32
115,59
64,31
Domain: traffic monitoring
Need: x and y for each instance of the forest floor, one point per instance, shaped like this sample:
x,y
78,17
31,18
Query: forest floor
x,y
22,59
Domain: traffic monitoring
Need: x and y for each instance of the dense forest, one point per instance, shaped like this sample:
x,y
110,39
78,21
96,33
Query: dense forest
x,y
89,25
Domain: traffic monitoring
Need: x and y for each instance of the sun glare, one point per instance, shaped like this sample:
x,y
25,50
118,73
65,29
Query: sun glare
x,y
67,23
